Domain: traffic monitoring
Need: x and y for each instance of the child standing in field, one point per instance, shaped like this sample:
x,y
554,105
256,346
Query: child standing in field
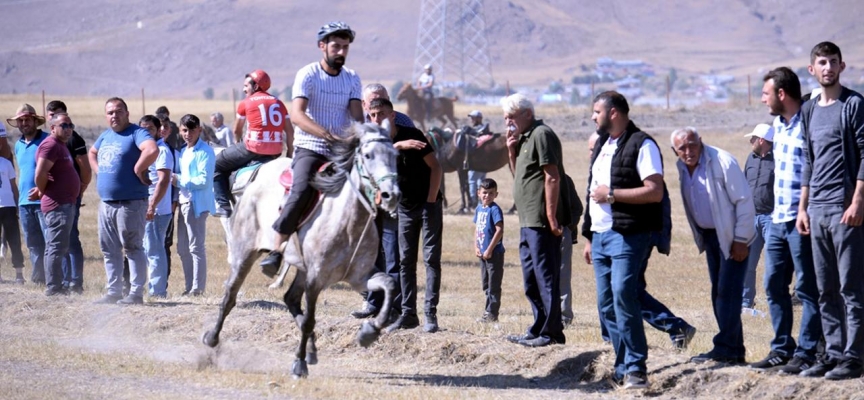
x,y
488,246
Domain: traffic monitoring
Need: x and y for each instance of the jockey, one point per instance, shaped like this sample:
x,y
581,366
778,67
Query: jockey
x,y
424,85
268,119
327,97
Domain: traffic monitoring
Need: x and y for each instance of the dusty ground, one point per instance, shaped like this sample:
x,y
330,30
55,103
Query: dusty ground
x,y
69,348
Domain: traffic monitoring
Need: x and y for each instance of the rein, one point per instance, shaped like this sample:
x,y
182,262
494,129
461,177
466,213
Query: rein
x,y
369,191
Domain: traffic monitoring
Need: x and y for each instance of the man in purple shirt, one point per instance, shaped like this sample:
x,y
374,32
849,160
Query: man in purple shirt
x,y
57,185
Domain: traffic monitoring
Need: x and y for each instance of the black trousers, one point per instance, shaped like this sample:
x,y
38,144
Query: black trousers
x,y
305,163
228,161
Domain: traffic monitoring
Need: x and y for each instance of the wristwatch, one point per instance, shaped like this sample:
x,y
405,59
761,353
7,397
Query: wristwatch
x,y
610,198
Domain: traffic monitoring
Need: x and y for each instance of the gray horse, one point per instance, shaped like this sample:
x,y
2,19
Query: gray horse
x,y
338,243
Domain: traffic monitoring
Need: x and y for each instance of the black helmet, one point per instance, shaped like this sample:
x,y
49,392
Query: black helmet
x,y
333,28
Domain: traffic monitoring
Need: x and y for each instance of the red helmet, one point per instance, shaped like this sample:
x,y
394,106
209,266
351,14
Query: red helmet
x,y
260,78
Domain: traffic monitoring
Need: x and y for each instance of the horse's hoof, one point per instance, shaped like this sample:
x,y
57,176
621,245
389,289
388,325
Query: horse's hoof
x,y
210,339
367,334
311,358
299,369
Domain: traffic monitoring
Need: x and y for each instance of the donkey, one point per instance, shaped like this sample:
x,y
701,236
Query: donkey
x,y
338,242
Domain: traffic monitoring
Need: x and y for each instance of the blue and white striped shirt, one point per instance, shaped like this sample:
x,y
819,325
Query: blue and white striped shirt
x,y
328,98
788,162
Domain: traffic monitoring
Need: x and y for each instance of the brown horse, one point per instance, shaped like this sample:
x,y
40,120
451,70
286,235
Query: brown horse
x,y
443,107
459,152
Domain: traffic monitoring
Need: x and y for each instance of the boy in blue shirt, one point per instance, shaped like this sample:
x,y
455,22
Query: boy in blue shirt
x,y
488,246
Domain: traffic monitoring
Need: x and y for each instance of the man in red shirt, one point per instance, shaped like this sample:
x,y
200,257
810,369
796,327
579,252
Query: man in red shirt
x,y
57,184
269,127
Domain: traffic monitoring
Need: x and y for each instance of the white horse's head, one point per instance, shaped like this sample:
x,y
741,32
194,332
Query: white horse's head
x,y
377,159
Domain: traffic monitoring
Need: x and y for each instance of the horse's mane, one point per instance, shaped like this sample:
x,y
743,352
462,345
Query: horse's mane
x,y
332,179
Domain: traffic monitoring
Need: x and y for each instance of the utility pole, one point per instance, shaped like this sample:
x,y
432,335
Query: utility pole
x,y
451,37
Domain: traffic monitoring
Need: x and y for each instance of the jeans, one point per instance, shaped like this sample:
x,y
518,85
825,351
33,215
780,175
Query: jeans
x,y
121,229
491,275
654,312
228,161
727,280
565,274
58,224
787,252
618,264
428,218
837,256
73,263
474,179
191,232
387,260
763,225
31,217
12,234
303,166
157,259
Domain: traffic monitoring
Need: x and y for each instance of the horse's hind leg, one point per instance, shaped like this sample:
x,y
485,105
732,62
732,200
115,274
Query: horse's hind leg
x,y
370,331
229,299
300,368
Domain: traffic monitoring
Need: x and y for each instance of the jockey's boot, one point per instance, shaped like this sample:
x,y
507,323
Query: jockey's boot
x,y
270,265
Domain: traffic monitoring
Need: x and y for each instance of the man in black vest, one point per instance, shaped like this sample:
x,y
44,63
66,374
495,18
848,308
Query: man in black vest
x,y
624,208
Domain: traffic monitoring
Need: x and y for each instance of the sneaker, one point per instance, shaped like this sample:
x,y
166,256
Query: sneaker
x,y
108,299
76,289
488,318
682,339
819,369
771,362
635,380
848,369
540,341
131,300
20,280
711,356
796,366
365,312
53,291
270,265
431,325
520,338
404,322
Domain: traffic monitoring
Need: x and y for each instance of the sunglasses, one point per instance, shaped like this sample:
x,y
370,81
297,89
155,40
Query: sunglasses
x,y
66,125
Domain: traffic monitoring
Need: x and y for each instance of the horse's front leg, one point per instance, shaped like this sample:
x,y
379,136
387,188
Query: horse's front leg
x,y
229,299
370,331
300,368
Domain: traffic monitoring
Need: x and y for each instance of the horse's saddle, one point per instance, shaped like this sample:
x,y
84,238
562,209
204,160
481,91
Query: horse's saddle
x,y
286,179
468,140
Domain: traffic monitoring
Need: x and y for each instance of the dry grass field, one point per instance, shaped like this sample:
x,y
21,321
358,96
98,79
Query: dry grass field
x,y
68,348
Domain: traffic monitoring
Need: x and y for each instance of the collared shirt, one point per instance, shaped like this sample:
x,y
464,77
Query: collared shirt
x,y
197,166
788,163
25,153
760,176
537,147
695,191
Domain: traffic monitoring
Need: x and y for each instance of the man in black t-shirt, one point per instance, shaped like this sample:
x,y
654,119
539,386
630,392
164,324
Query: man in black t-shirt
x,y
73,263
419,175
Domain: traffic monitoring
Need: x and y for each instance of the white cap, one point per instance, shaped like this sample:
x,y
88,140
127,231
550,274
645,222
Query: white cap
x,y
475,113
427,66
763,131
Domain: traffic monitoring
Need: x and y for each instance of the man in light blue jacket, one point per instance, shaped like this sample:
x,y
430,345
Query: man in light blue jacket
x,y
719,207
195,180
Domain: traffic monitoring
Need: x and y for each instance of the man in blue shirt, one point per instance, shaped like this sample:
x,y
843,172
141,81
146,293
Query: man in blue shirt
x,y
120,159
27,122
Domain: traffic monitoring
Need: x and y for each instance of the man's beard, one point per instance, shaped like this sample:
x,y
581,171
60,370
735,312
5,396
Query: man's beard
x,y
335,62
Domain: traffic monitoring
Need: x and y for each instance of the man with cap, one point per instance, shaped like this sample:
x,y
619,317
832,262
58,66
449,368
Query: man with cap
x,y
474,177
424,85
27,121
759,170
